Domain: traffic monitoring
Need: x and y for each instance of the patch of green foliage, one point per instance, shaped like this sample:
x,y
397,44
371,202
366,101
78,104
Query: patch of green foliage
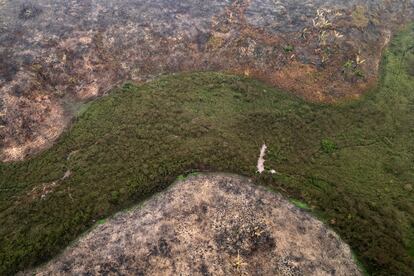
x,y
127,146
328,146
360,265
288,48
181,177
349,64
300,204
350,68
359,73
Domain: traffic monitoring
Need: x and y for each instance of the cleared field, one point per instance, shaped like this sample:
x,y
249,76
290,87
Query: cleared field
x,y
208,224
352,163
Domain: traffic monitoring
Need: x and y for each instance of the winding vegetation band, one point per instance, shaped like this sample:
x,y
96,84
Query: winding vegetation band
x,y
352,163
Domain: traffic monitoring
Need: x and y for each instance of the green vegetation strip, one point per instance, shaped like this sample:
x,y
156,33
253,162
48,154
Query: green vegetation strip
x,y
351,163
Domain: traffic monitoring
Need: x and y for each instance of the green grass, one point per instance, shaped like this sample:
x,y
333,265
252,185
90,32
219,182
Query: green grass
x,y
349,162
288,48
300,204
328,146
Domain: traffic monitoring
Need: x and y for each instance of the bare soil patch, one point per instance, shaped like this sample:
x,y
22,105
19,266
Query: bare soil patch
x,y
209,224
67,52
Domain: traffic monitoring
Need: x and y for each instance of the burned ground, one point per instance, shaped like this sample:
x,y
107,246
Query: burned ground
x,y
350,163
56,54
210,224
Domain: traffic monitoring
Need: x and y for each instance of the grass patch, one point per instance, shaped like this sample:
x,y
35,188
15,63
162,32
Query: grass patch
x,y
328,146
300,204
125,147
360,265
288,48
181,177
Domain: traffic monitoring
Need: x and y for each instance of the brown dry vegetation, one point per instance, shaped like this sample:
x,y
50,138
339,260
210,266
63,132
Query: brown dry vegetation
x,y
208,225
96,45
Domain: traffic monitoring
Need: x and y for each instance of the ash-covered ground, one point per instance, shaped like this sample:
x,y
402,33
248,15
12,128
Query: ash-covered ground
x,y
56,54
208,225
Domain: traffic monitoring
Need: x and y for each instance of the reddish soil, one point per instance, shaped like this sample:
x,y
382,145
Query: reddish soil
x,y
57,54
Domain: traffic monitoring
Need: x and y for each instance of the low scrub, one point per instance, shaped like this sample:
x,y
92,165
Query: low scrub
x,y
133,143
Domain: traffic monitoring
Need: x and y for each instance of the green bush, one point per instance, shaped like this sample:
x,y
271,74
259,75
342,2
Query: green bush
x,y
328,146
288,48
